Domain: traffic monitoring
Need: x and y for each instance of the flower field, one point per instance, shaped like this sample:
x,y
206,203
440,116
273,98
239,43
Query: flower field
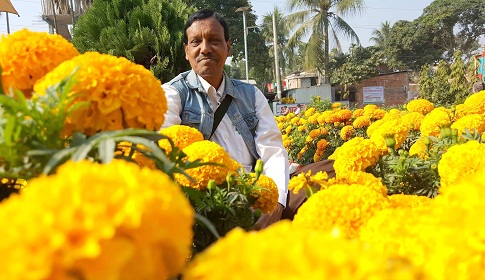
x,y
91,190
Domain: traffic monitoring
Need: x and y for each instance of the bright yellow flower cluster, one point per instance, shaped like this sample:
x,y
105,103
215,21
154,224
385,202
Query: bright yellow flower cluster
x,y
374,112
181,135
393,127
362,121
344,115
355,155
309,112
347,132
266,194
475,103
307,181
121,94
346,207
407,200
359,178
206,151
433,121
413,120
357,113
472,122
419,148
26,56
126,149
445,238
460,161
96,221
310,254
422,106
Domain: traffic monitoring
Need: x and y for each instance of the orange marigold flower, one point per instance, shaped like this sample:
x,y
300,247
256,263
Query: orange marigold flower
x,y
422,106
347,132
120,93
26,56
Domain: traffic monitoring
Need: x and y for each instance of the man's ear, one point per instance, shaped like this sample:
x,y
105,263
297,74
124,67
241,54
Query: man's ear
x,y
185,49
229,47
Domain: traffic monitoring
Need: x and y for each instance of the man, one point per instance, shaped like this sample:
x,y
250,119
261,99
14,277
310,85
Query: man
x,y
248,130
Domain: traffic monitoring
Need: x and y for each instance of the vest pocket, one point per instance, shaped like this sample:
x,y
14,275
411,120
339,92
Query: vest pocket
x,y
252,121
190,118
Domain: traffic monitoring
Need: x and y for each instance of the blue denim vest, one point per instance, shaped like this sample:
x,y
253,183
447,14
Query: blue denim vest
x,y
196,111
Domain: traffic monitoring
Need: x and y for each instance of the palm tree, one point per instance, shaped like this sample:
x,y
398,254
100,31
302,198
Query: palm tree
x,y
282,35
321,18
381,35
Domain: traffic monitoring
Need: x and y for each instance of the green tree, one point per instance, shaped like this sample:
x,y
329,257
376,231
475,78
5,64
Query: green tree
x,y
426,82
441,95
322,18
282,33
380,36
459,86
147,32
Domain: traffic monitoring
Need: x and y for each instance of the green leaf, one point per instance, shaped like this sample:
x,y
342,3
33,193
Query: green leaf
x,y
106,150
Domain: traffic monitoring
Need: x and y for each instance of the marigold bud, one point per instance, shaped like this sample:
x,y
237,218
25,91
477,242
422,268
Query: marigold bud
x,y
211,185
258,168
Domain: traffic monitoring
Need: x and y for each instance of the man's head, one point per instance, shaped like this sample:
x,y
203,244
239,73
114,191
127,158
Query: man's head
x,y
207,45
478,86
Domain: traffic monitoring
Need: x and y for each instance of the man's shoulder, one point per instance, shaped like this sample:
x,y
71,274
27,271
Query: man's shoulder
x,y
178,78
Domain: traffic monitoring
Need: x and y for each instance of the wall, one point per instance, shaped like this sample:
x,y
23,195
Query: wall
x,y
303,95
396,86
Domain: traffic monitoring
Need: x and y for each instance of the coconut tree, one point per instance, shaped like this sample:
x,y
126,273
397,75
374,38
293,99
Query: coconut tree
x,y
322,20
282,33
380,35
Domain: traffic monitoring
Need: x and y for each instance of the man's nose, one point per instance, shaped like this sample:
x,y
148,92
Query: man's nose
x,y
205,46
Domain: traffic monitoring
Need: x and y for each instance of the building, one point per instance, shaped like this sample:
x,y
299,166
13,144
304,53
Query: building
x,y
301,80
60,15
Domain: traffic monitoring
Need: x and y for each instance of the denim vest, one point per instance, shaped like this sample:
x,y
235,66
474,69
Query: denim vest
x,y
197,113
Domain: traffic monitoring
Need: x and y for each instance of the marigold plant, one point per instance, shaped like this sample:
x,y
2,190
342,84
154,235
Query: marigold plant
x,y
96,221
181,135
26,56
120,93
355,155
421,106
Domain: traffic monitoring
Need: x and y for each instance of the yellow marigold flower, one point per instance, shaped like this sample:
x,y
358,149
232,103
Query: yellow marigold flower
x,y
433,121
362,121
295,120
314,133
181,135
99,221
460,161
26,56
302,128
280,126
471,122
377,114
395,111
317,157
355,155
121,94
309,111
347,132
394,128
422,106
369,108
413,120
206,151
322,145
357,113
475,103
408,200
461,110
332,118
267,195
313,119
287,143
302,258
344,115
359,178
419,148
336,105
125,149
288,129
346,207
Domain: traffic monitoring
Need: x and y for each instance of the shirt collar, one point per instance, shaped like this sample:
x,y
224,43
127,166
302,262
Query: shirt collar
x,y
208,87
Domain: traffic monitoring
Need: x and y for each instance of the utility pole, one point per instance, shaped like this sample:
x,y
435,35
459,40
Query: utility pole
x,y
244,10
276,58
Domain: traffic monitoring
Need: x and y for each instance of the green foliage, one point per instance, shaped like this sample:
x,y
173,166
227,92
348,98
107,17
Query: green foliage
x,y
441,95
459,85
426,83
148,32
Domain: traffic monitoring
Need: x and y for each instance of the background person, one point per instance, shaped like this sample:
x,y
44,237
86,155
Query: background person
x,y
248,130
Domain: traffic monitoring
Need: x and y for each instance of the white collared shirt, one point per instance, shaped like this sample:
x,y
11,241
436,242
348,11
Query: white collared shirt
x,y
269,144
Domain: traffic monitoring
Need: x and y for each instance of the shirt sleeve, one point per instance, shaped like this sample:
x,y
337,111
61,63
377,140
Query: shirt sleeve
x,y
269,145
174,104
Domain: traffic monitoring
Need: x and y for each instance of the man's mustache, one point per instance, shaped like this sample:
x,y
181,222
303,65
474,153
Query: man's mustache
x,y
202,57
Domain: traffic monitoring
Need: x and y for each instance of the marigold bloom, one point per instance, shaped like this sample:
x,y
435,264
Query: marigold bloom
x,y
266,194
388,128
302,258
422,106
413,120
181,135
359,178
475,103
127,149
347,132
472,122
206,151
362,121
346,207
309,112
26,56
433,121
344,115
121,94
322,145
99,221
408,200
460,161
357,113
419,148
355,155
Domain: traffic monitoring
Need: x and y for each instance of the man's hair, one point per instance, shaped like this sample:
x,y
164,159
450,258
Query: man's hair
x,y
203,14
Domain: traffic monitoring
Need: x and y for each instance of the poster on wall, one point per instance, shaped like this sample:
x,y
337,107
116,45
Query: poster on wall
x,y
284,109
373,95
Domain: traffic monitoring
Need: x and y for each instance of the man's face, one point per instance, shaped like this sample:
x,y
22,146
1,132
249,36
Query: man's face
x,y
207,50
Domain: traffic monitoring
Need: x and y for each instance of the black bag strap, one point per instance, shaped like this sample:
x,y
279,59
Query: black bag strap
x,y
220,112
